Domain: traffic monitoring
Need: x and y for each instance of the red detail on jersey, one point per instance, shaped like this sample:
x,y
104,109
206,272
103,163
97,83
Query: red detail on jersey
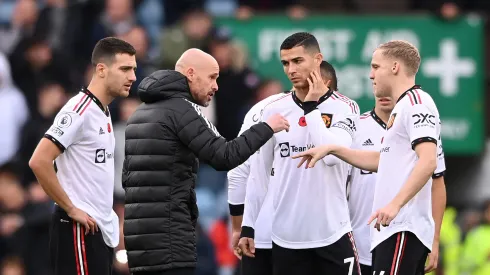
x,y
108,127
382,140
81,99
302,121
85,108
418,96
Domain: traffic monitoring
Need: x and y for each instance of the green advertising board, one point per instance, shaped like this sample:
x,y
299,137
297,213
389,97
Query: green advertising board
x,y
451,70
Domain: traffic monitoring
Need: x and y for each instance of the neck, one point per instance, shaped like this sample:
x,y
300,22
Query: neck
x,y
381,114
301,93
100,92
402,86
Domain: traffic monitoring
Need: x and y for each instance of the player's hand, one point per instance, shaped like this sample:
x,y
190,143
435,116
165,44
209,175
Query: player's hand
x,y
384,216
247,247
317,87
432,258
313,155
235,237
278,123
84,219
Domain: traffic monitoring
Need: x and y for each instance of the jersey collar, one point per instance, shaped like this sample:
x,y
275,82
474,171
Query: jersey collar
x,y
95,99
322,99
378,119
405,93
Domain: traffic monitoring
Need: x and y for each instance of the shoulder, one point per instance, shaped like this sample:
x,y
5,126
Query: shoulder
x,y
418,98
348,104
275,101
366,115
73,110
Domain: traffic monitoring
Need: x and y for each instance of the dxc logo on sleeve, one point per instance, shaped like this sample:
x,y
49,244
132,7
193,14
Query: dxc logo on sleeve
x,y
422,120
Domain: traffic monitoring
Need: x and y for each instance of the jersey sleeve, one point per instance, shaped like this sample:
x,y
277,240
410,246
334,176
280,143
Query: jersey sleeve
x,y
237,177
257,186
441,163
66,129
421,124
340,133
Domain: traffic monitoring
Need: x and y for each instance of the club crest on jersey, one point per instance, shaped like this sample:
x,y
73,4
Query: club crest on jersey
x,y
327,119
108,127
302,121
391,121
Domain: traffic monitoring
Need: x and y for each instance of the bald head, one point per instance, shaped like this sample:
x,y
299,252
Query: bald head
x,y
194,58
201,71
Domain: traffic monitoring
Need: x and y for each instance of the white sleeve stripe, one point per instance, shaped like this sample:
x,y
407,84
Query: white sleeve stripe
x,y
199,112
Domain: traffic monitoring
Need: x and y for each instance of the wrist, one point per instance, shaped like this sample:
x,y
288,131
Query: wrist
x,y
247,232
397,202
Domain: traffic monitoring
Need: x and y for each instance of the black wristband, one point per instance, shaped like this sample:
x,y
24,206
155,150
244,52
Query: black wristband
x,y
309,106
236,210
247,232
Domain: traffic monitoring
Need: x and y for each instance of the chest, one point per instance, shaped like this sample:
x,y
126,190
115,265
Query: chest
x,y
298,138
370,135
98,135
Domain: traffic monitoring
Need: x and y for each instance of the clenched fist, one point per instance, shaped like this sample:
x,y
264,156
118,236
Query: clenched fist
x,y
278,123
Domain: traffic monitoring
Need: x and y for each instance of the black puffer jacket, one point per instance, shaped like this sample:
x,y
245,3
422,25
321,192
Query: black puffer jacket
x,y
164,139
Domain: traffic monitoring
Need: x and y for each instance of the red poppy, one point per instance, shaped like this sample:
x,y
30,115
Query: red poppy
x,y
302,121
108,127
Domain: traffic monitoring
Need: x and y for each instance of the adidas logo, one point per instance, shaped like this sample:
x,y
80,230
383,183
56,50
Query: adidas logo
x,y
368,143
101,131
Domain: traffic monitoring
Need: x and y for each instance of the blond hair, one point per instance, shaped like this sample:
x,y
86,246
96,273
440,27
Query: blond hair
x,y
403,51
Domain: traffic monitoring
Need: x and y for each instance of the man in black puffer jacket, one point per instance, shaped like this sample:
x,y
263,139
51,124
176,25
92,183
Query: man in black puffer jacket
x,y
164,139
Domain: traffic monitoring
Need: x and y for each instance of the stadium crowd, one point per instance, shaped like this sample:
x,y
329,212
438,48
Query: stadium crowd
x,y
45,49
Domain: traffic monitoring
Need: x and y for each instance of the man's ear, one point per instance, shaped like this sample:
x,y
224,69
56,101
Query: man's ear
x,y
318,58
101,70
395,68
191,74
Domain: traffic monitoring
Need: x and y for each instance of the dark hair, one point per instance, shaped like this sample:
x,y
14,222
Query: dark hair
x,y
304,39
106,49
328,71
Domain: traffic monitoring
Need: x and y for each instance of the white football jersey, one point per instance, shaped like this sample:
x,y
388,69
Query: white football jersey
x,y
414,120
85,169
237,180
309,205
362,183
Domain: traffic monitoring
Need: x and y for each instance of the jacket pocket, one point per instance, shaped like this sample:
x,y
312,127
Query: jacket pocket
x,y
193,207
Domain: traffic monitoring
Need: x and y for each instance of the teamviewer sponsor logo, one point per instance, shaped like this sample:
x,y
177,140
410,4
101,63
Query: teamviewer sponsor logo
x,y
100,156
284,149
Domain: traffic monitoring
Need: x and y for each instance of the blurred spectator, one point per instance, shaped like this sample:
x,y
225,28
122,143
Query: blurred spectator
x,y
377,6
138,38
237,84
24,221
206,261
117,19
267,88
12,266
34,63
475,258
12,202
60,24
190,32
22,23
248,8
14,112
126,109
220,237
51,98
